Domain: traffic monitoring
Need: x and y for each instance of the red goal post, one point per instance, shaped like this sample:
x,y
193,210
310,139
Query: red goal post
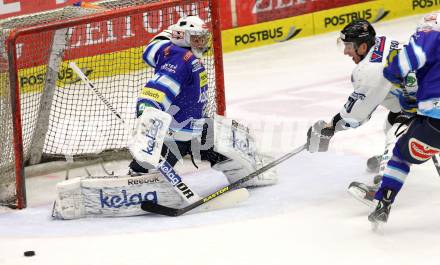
x,y
47,113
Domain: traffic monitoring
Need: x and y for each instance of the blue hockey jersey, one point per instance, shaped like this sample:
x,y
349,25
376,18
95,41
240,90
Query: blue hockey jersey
x,y
423,55
179,87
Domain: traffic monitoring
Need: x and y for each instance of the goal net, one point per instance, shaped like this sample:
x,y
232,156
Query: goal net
x,y
48,113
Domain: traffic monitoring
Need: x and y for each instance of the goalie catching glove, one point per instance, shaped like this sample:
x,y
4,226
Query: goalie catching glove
x,y
318,137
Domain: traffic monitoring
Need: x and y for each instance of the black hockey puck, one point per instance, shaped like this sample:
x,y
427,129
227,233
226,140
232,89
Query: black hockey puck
x,y
29,253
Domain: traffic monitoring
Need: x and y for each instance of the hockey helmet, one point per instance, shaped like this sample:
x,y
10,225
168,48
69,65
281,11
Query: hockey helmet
x,y
429,22
191,32
358,32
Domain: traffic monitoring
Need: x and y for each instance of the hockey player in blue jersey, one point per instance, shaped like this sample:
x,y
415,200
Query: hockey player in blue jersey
x,y
179,89
171,124
179,85
422,138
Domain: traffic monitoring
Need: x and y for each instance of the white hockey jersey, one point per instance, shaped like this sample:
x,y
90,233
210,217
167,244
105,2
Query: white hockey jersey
x,y
371,89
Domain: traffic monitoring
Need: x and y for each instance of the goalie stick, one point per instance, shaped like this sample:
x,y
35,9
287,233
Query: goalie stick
x,y
86,80
168,211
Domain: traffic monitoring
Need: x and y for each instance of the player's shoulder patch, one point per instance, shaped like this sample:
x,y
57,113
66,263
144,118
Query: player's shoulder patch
x,y
197,65
378,50
187,56
166,51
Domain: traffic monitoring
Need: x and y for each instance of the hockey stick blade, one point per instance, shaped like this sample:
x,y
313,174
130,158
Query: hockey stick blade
x,y
159,209
168,211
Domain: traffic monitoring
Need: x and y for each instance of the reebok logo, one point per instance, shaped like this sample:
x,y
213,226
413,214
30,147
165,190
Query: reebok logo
x,y
142,181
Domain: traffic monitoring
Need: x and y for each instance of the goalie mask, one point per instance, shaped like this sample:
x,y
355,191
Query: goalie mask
x,y
191,32
429,22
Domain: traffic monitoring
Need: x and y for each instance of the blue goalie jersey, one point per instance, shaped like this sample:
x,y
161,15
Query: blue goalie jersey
x,y
423,55
179,87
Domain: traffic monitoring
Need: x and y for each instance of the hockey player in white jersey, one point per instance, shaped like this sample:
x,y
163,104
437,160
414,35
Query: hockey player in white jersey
x,y
358,40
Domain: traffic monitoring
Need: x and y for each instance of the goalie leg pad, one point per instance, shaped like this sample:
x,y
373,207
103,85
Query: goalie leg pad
x,y
111,196
234,141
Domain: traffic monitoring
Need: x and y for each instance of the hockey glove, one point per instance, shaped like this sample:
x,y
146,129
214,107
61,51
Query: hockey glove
x,y
392,77
318,137
408,103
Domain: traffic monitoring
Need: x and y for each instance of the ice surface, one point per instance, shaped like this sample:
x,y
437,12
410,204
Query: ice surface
x,y
308,218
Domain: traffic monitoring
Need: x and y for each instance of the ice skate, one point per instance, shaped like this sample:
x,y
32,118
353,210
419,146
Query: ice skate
x,y
363,193
380,215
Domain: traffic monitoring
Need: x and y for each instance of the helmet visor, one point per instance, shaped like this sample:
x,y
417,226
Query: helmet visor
x,y
199,39
345,46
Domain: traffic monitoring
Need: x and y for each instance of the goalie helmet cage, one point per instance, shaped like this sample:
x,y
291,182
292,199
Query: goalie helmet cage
x,y
47,113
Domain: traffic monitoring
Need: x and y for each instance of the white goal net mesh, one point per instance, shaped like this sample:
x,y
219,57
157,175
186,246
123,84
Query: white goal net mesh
x,y
60,115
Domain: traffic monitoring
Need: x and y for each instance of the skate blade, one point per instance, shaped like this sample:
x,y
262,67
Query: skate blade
x,y
359,195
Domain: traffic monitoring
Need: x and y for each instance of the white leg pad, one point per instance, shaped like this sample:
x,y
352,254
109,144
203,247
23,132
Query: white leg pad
x,y
111,196
234,141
